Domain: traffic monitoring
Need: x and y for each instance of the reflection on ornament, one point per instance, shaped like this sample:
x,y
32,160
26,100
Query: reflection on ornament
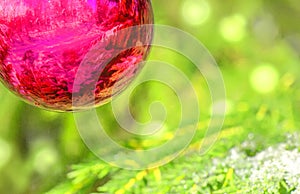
x,y
43,43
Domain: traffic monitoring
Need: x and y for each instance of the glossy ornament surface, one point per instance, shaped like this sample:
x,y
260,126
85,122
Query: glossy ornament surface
x,y
43,43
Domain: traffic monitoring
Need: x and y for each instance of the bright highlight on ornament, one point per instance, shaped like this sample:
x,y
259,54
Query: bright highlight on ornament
x,y
195,12
264,78
233,28
43,43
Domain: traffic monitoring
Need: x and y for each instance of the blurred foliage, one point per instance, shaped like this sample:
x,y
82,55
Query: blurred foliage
x,y
257,46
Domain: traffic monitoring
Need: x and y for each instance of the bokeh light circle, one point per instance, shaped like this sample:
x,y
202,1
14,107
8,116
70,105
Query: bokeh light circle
x,y
195,12
233,28
264,78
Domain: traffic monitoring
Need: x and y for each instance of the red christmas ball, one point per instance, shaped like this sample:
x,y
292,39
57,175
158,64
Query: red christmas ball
x,y
44,43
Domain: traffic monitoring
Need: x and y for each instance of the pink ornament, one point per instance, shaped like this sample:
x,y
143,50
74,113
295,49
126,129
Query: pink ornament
x,y
44,42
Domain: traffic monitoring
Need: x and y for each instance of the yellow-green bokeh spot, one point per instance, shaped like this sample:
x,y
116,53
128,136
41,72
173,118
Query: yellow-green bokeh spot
x,y
233,28
264,78
195,12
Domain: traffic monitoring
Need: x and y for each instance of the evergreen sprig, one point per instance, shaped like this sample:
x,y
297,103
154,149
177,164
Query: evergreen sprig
x,y
252,155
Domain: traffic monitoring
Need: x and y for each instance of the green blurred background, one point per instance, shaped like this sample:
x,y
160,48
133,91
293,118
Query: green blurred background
x,y
256,45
